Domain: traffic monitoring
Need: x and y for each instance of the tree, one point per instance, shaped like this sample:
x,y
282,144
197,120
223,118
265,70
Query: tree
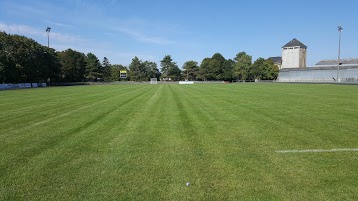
x,y
136,69
218,57
270,70
174,73
52,65
242,66
151,70
165,64
214,72
227,67
143,71
7,64
256,68
7,68
216,66
263,69
73,65
169,69
106,69
93,67
204,69
191,69
24,60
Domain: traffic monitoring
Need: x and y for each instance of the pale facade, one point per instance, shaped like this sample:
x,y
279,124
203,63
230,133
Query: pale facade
x,y
294,55
347,74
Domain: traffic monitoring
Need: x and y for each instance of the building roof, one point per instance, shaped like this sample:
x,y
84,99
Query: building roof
x,y
294,43
320,68
276,60
352,61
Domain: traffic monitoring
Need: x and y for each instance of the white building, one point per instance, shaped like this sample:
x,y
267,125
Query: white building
x,y
294,54
294,67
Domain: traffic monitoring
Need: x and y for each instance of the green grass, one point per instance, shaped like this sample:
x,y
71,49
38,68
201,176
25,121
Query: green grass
x,y
144,142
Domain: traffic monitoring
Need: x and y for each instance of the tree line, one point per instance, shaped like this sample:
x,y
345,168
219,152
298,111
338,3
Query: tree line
x,y
24,60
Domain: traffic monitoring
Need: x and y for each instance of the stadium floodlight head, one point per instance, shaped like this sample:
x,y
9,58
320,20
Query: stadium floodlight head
x,y
48,29
340,29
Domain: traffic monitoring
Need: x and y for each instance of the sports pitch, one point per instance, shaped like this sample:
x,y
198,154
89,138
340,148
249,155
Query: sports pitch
x,y
145,142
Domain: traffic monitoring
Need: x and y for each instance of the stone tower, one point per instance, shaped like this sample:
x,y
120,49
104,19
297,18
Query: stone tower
x,y
294,54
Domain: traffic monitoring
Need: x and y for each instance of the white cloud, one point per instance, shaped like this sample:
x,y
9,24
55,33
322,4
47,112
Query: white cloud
x,y
60,24
19,29
103,49
145,38
27,30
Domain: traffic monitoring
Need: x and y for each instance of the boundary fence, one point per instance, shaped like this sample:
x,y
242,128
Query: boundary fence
x,y
22,85
37,85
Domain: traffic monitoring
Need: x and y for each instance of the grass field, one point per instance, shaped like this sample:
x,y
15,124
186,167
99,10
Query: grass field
x,y
144,142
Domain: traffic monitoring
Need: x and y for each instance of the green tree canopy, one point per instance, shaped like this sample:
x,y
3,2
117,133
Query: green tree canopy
x,y
241,69
191,70
73,65
213,68
227,67
218,57
151,70
204,69
269,70
137,70
143,71
263,69
256,68
24,60
106,69
169,69
93,67
165,64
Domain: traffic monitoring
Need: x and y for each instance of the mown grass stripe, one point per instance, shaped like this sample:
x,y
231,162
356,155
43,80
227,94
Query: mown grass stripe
x,y
147,141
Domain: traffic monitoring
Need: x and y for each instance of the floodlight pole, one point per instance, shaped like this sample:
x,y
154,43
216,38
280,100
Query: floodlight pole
x,y
340,29
48,29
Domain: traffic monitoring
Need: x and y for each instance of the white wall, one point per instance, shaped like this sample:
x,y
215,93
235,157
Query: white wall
x,y
293,57
302,58
317,75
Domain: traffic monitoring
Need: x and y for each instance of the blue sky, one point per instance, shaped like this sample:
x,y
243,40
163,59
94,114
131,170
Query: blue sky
x,y
185,29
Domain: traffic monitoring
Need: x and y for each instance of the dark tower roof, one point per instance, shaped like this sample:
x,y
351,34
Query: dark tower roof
x,y
294,43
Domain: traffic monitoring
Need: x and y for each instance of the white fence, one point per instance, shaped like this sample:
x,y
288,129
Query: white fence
x,y
22,85
186,82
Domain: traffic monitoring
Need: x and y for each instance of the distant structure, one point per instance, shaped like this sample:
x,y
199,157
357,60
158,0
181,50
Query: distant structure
x,y
343,62
294,68
294,54
277,61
